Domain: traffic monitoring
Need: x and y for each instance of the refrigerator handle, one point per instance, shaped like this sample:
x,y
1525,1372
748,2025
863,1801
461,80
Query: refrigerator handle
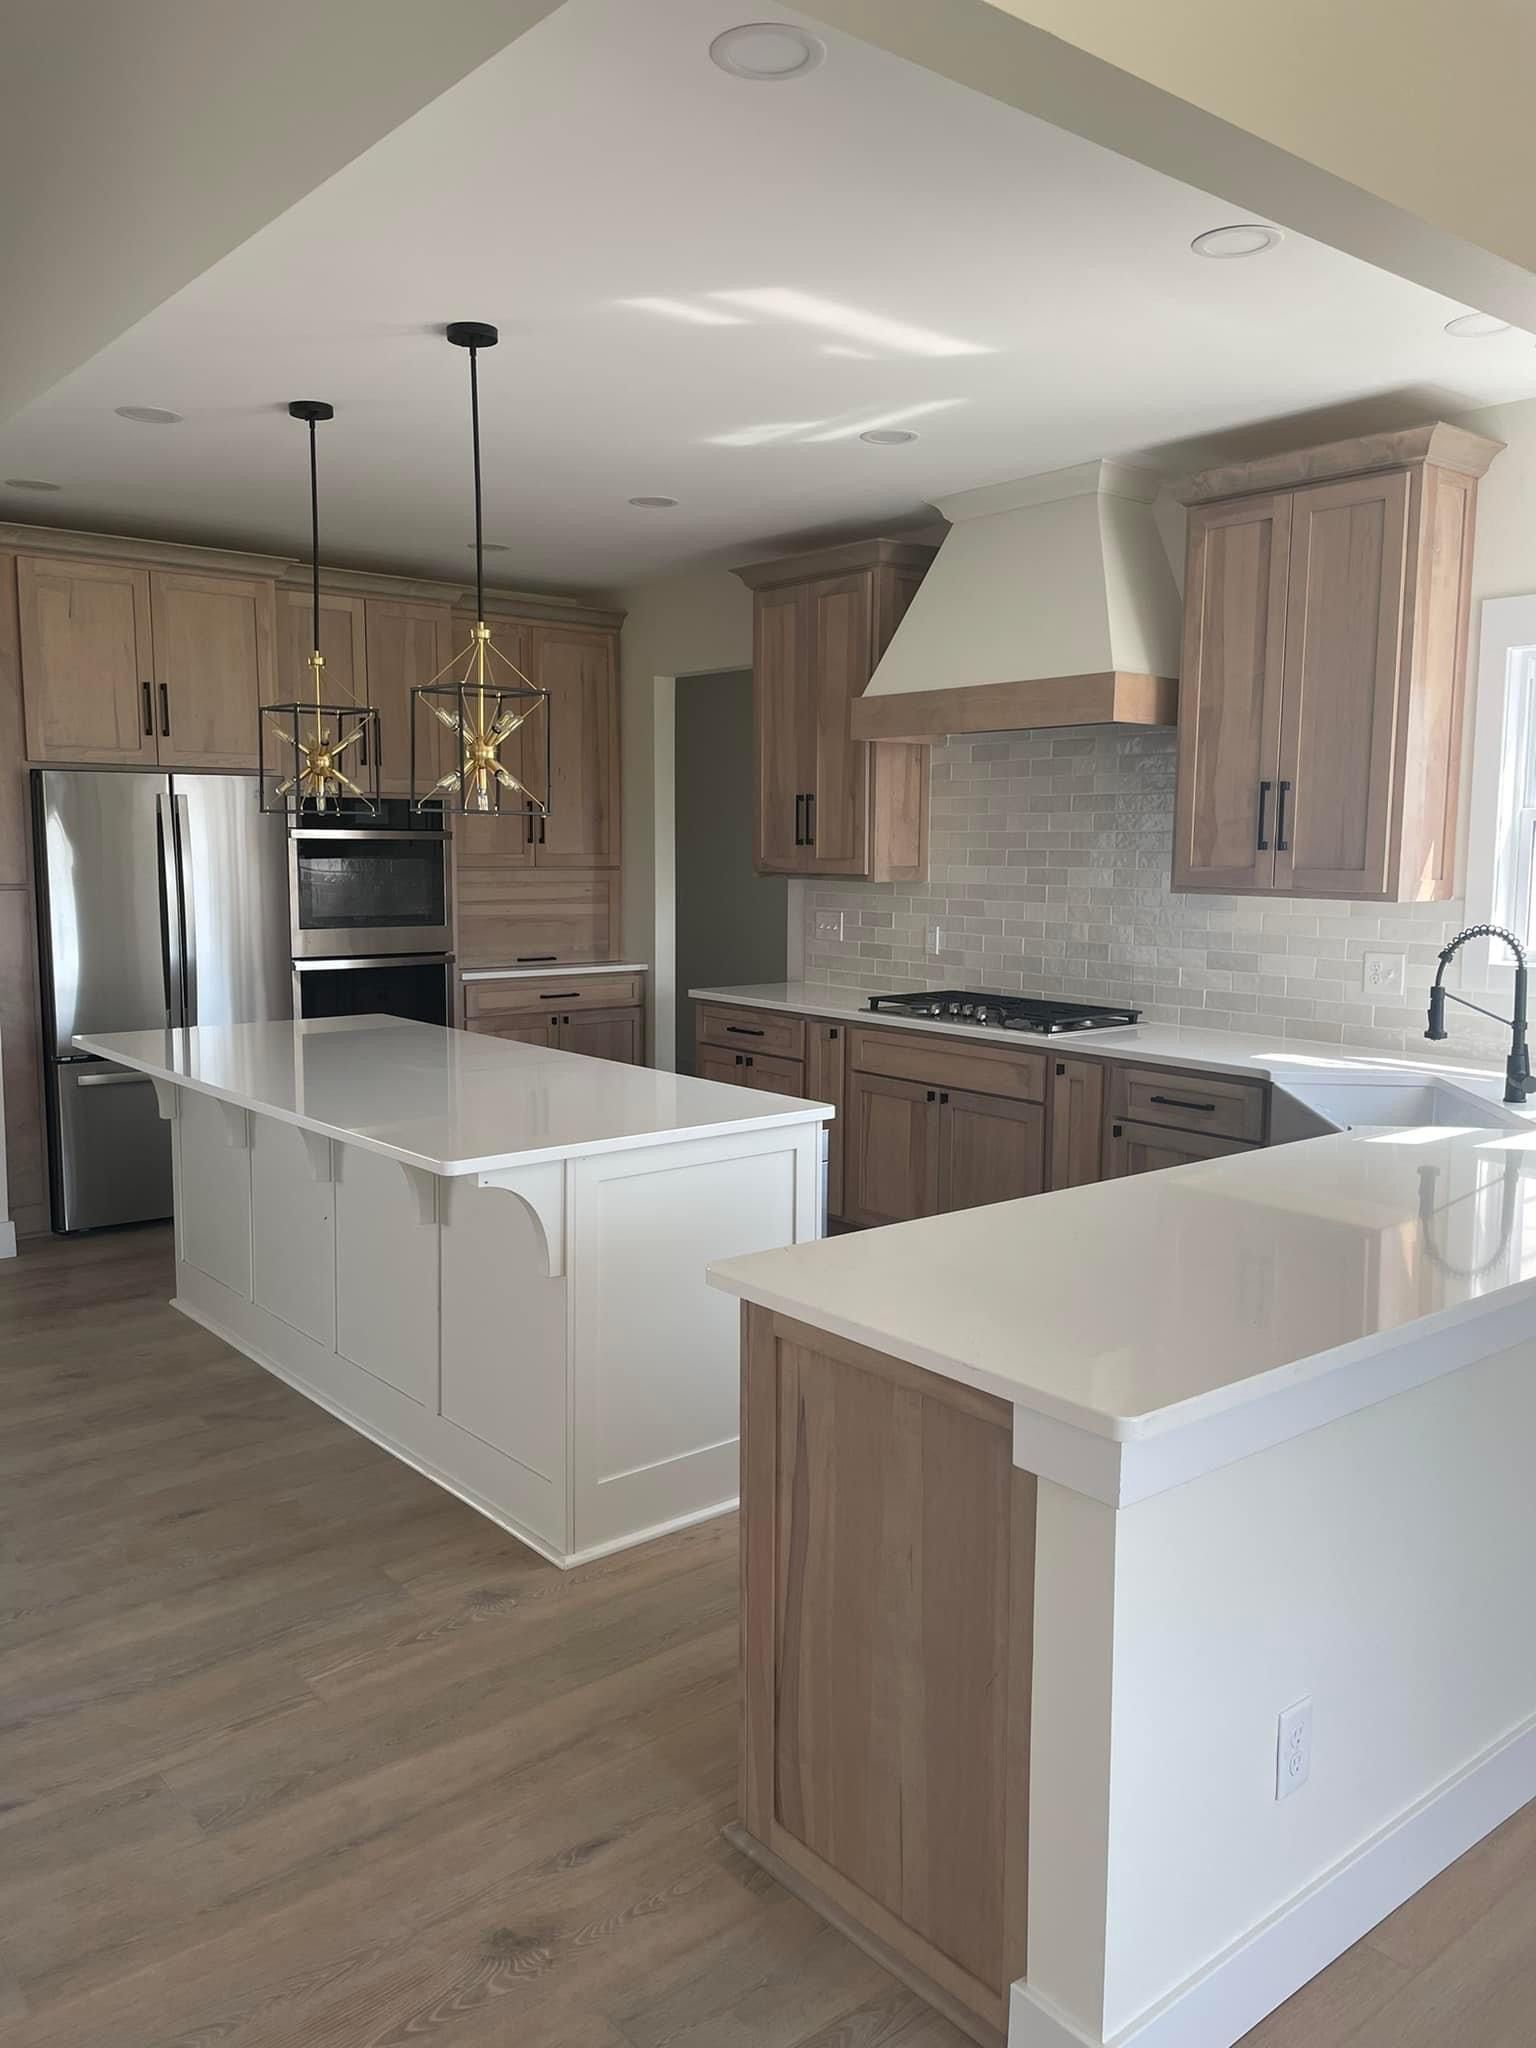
x,y
170,912
183,826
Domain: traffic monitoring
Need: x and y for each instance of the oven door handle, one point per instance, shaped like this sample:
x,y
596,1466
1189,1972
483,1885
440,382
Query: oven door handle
x,y
336,965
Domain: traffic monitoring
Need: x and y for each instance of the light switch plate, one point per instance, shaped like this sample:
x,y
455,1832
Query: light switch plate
x,y
829,924
1382,974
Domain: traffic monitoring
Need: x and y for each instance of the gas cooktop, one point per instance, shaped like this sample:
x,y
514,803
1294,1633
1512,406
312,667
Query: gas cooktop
x,y
1003,1013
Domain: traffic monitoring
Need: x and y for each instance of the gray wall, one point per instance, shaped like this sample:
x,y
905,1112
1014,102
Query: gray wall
x,y
732,924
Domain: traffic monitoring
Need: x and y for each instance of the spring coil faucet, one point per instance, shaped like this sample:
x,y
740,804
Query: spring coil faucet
x,y
1517,1068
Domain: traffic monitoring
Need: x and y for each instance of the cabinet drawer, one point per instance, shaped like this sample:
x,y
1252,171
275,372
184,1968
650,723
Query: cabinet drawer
x,y
560,992
984,1069
757,1031
1190,1102
754,1070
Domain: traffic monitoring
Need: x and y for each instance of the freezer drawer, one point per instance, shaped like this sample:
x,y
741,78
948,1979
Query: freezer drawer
x,y
112,1159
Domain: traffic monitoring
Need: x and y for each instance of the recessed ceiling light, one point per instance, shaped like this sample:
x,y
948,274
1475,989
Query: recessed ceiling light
x,y
30,483
1242,238
887,437
148,415
654,504
767,51
1473,326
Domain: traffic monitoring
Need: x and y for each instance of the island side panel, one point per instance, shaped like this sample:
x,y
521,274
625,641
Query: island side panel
x,y
887,1604
653,1347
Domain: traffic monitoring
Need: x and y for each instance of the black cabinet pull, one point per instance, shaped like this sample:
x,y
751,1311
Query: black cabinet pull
x,y
149,716
933,1095
799,825
541,831
740,1059
745,1031
833,1032
362,745
747,1060
810,819
529,831
531,959
1182,1102
1261,842
1061,1066
943,1095
1117,1130
1282,844
568,995
165,712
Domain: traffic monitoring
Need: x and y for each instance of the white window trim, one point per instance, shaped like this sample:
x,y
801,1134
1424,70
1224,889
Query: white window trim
x,y
1507,623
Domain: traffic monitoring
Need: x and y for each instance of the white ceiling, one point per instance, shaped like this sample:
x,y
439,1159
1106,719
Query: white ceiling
x,y
1051,307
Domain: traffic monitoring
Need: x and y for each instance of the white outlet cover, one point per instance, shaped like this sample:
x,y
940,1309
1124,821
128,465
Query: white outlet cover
x,y
1293,1750
829,924
1381,974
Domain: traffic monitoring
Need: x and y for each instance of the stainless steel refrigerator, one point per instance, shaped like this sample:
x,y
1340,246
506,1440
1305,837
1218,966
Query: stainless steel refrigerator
x,y
163,900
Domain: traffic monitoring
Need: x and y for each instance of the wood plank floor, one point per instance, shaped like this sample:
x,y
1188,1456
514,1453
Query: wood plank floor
x,y
298,1752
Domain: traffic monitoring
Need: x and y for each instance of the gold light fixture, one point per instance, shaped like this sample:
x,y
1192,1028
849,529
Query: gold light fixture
x,y
308,778
480,696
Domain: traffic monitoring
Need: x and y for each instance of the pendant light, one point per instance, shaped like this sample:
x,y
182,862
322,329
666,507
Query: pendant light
x,y
308,779
480,696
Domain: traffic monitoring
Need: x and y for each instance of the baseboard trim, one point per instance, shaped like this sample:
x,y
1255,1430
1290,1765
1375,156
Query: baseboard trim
x,y
1219,2004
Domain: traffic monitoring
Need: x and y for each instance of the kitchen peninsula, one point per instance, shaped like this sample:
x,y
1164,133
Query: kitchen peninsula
x,y
1135,1579
487,1256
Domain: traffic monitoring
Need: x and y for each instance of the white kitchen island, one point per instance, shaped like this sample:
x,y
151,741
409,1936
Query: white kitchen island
x,y
488,1257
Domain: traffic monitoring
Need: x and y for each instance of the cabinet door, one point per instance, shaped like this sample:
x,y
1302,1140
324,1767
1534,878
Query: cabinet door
x,y
841,657
825,1075
214,666
579,670
605,1035
1230,695
1344,659
525,1027
87,664
503,838
990,1149
1077,1122
891,1167
408,644
1146,1148
781,718
343,642
713,1065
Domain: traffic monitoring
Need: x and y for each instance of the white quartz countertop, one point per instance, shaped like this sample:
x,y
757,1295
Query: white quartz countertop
x,y
543,968
449,1101
1144,1305
1261,1054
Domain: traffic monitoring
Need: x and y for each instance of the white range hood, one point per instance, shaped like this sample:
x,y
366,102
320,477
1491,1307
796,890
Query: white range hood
x,y
1051,602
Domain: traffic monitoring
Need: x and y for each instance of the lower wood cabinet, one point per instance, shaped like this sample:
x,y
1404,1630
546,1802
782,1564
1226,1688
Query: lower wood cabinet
x,y
1147,1148
605,1035
826,1069
600,1015
892,1158
1077,1122
752,1070
990,1149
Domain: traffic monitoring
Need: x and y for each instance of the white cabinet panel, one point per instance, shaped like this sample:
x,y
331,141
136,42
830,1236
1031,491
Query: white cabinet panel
x,y
503,1361
213,1201
386,1273
293,1257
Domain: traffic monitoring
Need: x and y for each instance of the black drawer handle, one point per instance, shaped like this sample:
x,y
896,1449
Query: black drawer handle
x,y
1282,844
810,819
799,822
1180,1102
1261,842
535,959
149,716
746,1030
568,995
165,712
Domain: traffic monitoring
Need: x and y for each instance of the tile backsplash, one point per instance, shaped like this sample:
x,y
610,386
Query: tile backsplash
x,y
1048,873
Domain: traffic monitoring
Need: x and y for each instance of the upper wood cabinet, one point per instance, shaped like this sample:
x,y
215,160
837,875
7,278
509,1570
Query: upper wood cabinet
x,y
580,671
87,661
1325,634
214,669
142,666
408,644
828,803
343,642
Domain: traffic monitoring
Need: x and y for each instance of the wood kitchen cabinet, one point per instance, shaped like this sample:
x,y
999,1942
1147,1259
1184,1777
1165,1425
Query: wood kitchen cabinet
x,y
1327,596
827,803
88,661
892,1158
1131,1147
599,1015
826,1069
143,667
580,671
407,645
343,642
1077,1122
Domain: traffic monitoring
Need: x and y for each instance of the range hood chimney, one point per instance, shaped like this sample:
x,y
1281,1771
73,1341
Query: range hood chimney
x,y
1051,602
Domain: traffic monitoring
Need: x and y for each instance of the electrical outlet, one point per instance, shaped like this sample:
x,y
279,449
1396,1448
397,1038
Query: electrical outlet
x,y
1293,1752
935,940
829,924
1382,974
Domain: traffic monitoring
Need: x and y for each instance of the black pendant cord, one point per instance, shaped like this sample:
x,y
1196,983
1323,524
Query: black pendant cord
x,y
474,428
314,536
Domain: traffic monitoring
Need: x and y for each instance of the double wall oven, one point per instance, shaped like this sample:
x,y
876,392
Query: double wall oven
x,y
370,926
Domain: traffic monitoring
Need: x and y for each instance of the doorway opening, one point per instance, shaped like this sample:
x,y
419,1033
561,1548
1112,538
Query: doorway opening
x,y
732,923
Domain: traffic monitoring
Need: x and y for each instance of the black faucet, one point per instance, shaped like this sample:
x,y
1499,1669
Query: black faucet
x,y
1517,1068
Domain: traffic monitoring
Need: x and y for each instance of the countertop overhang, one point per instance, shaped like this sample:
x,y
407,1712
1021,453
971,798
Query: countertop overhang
x,y
449,1102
